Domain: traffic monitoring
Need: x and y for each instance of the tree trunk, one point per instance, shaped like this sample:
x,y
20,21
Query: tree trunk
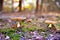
x,y
12,5
1,5
52,6
20,5
37,4
41,6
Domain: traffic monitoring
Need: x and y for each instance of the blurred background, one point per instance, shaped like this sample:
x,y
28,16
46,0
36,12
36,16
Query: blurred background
x,y
40,5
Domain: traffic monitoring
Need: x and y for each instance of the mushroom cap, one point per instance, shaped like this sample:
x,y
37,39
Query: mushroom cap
x,y
50,22
18,18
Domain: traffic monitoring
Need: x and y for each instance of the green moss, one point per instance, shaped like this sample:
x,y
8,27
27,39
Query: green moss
x,y
14,37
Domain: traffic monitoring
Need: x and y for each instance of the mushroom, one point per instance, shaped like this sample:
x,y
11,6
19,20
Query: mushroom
x,y
18,19
51,25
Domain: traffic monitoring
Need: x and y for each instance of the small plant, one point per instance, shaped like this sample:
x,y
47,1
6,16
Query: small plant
x,y
57,26
10,33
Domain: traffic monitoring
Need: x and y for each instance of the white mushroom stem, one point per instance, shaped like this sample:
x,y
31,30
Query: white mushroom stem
x,y
18,24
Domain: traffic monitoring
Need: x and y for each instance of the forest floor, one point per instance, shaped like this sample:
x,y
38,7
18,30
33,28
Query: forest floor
x,y
15,34
49,15
18,14
46,16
